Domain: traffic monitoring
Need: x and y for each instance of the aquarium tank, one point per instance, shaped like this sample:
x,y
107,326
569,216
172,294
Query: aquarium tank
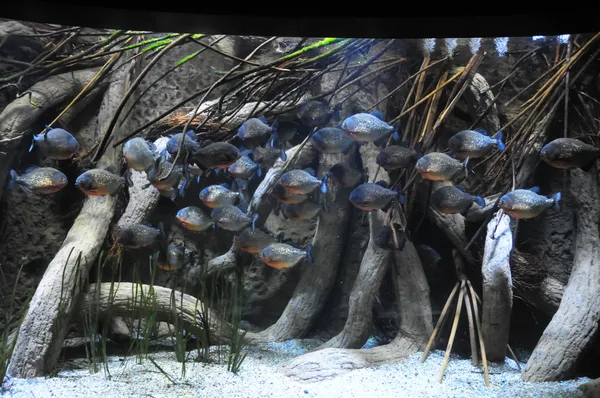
x,y
192,214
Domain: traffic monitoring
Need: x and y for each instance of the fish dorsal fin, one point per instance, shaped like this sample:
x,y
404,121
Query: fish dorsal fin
x,y
377,114
382,183
535,189
481,130
111,169
225,185
30,169
311,171
460,187
280,236
263,119
192,135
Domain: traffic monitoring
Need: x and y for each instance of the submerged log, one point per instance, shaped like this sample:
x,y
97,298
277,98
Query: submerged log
x,y
373,268
497,287
575,324
130,300
317,279
43,330
415,326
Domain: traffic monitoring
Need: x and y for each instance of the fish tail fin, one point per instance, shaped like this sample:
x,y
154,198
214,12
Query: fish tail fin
x,y
161,228
397,131
418,149
499,142
282,154
240,196
466,167
324,179
12,182
556,198
480,201
32,143
254,218
309,256
401,197
377,114
259,171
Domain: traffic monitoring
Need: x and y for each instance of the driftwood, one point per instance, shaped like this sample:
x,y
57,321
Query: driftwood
x,y
548,296
478,98
20,115
45,325
497,287
412,294
373,268
130,300
575,324
317,279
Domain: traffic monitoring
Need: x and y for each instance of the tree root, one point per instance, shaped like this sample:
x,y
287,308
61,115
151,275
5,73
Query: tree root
x,y
18,116
43,330
575,324
130,300
497,287
317,279
373,268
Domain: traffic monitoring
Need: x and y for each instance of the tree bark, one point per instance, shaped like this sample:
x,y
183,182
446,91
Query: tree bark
x,y
131,300
497,288
45,325
575,324
20,115
373,268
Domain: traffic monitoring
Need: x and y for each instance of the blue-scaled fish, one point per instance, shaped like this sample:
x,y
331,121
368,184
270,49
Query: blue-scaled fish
x,y
173,260
55,143
374,196
256,131
437,166
244,168
102,182
395,157
568,153
331,140
194,219
250,241
282,255
38,180
140,235
232,218
216,156
304,210
215,196
301,181
366,127
454,200
528,203
317,113
190,144
474,143
139,154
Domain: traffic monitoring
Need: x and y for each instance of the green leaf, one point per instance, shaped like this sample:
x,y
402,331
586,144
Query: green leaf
x,y
186,59
156,45
198,36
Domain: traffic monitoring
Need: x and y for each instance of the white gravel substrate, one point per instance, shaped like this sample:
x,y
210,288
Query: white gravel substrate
x,y
259,377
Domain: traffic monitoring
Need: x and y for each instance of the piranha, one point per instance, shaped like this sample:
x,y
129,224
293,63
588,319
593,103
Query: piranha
x,y
175,179
256,131
55,143
366,127
385,238
139,154
232,218
284,197
194,219
474,143
190,143
454,200
253,241
317,113
343,175
284,133
244,168
38,180
282,255
305,210
394,157
215,196
102,182
528,203
265,157
567,153
437,166
217,155
332,140
140,235
301,181
374,196
173,260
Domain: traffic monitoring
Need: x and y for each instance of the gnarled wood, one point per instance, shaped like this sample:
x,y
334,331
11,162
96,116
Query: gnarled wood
x,y
373,268
497,287
575,324
45,325
317,279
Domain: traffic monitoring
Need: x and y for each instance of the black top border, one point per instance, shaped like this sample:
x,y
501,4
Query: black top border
x,y
304,20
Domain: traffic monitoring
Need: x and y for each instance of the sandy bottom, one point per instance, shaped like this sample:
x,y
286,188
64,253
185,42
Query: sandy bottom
x,y
259,376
